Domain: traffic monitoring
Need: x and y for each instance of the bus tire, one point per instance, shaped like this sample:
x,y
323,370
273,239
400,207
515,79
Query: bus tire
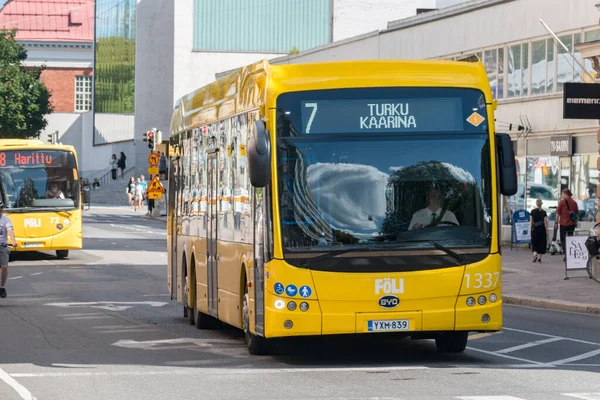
x,y
452,342
187,290
62,253
257,345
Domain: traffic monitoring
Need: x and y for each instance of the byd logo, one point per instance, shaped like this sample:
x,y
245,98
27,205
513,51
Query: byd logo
x,y
389,286
389,301
33,223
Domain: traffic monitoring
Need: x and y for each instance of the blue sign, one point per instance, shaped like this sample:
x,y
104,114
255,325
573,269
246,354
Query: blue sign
x,y
278,288
291,290
521,229
305,291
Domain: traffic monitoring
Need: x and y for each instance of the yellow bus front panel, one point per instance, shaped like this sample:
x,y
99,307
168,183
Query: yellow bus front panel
x,y
47,230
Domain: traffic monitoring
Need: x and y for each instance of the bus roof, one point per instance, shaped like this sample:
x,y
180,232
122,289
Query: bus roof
x,y
33,143
259,84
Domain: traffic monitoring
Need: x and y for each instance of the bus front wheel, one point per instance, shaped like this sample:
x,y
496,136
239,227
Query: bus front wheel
x,y
62,253
257,345
452,342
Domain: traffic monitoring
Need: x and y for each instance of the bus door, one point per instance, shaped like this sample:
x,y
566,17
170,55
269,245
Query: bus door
x,y
173,205
211,233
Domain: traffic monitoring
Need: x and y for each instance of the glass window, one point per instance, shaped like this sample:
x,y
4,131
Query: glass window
x,y
585,180
550,75
542,183
525,68
538,67
83,93
576,68
514,71
591,36
342,190
500,89
491,66
39,179
564,62
516,202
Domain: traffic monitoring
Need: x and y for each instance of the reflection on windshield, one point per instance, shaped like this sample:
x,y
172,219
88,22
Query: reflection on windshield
x,y
379,191
50,185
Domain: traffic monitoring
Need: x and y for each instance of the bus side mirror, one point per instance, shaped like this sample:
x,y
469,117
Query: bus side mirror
x,y
507,168
259,156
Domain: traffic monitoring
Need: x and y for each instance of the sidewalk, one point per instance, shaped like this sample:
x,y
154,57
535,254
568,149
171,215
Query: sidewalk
x,y
543,285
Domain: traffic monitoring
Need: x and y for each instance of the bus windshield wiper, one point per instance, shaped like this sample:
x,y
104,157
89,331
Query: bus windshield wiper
x,y
56,209
438,246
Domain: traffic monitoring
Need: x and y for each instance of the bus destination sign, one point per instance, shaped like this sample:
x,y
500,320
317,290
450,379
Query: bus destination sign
x,y
30,158
382,116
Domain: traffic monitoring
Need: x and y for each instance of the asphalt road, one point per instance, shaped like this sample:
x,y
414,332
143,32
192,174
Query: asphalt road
x,y
100,325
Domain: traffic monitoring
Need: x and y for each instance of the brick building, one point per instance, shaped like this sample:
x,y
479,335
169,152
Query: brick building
x,y
58,34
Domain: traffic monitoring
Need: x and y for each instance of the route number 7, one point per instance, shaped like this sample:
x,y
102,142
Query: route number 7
x,y
314,107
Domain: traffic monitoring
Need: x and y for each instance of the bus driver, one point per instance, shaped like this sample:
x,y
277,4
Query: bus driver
x,y
430,215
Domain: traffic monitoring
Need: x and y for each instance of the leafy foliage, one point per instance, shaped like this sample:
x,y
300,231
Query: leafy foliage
x,y
115,75
24,99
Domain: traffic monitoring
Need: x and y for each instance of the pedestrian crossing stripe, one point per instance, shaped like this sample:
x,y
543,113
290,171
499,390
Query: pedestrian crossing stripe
x,y
582,396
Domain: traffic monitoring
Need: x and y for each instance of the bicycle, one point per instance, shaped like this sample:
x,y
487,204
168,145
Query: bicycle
x,y
593,246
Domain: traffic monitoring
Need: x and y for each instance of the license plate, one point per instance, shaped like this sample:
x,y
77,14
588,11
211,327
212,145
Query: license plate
x,y
33,244
389,325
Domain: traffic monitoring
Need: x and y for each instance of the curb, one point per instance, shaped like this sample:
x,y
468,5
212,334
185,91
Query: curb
x,y
551,304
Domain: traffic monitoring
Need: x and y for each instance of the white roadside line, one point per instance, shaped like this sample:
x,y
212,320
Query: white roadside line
x,y
584,396
528,345
551,336
15,277
17,387
495,353
37,273
488,398
217,371
583,356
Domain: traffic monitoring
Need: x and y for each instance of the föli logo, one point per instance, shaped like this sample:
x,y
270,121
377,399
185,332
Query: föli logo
x,y
389,286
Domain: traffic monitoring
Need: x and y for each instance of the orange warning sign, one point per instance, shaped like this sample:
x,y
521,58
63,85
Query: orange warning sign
x,y
475,119
153,159
155,186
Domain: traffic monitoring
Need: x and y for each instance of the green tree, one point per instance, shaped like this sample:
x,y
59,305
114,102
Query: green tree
x,y
24,99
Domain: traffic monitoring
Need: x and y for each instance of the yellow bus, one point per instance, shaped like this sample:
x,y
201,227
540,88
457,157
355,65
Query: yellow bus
x,y
340,198
39,183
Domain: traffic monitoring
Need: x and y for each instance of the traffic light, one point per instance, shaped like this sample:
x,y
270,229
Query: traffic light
x,y
149,138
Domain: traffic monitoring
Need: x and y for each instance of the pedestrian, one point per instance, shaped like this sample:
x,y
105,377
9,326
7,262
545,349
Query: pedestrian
x,y
144,185
162,166
122,164
539,228
6,230
138,195
566,218
113,167
130,190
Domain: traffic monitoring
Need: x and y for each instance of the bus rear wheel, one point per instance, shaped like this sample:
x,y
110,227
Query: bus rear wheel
x,y
452,342
62,253
257,345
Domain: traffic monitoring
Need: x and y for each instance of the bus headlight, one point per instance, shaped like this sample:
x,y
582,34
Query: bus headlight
x,y
59,226
482,300
470,301
493,297
279,304
292,305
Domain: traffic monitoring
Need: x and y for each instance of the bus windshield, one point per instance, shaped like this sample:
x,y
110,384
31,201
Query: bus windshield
x,y
384,169
38,179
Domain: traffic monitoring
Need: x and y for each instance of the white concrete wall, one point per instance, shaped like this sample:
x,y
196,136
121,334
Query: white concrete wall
x,y
355,17
154,66
56,57
112,128
448,3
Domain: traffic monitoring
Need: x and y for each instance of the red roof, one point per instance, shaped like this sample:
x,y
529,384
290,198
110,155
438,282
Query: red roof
x,y
50,20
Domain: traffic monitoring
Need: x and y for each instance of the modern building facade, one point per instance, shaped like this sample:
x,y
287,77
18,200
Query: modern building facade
x,y
182,44
527,70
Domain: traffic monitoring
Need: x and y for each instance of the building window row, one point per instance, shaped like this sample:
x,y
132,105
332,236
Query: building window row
x,y
534,67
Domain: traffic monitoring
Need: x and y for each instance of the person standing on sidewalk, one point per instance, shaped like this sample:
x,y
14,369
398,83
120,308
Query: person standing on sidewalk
x,y
6,231
566,218
539,228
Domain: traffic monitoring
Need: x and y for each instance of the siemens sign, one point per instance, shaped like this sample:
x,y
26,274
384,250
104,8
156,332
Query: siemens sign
x,y
581,101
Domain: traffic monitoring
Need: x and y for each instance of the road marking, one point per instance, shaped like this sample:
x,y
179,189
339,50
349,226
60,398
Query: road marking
x,y
577,358
37,273
156,344
493,353
489,398
483,335
17,387
157,295
551,336
584,396
528,345
15,277
109,305
215,371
